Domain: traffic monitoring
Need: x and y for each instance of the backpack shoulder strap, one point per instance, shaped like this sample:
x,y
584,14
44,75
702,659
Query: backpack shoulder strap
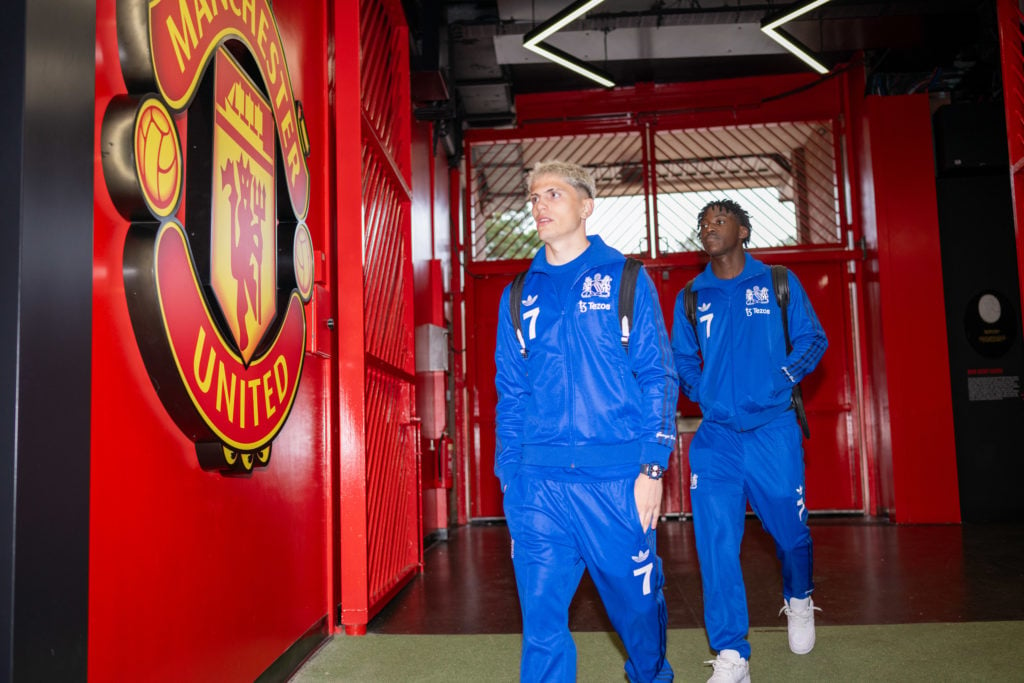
x,y
780,283
515,298
627,295
690,303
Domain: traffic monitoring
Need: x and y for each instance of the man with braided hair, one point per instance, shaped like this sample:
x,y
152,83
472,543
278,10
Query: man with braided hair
x,y
733,361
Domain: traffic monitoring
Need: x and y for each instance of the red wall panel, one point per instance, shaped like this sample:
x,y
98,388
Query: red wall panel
x,y
913,392
351,503
431,253
484,489
194,575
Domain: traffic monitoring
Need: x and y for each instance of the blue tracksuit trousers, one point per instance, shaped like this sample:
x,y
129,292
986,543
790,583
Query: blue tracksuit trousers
x,y
560,528
764,467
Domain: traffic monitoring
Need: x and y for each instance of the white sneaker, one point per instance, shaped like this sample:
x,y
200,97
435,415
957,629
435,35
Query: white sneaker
x,y
800,613
729,668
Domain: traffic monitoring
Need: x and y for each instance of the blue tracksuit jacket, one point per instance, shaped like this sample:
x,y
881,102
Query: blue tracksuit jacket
x,y
578,401
747,377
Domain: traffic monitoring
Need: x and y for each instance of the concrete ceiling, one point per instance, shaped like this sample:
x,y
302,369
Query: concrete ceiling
x,y
469,63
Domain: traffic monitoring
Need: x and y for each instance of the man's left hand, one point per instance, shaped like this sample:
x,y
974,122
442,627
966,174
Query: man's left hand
x,y
647,492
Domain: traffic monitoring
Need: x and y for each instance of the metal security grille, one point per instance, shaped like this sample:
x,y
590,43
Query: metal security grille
x,y
502,225
783,174
392,483
384,76
386,217
392,475
653,182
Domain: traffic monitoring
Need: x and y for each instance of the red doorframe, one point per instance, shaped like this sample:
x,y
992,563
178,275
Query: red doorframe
x,y
908,367
689,105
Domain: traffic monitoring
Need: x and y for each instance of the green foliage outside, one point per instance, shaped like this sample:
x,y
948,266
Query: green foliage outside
x,y
508,235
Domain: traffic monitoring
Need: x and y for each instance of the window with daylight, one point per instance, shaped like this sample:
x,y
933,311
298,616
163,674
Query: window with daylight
x,y
783,174
503,226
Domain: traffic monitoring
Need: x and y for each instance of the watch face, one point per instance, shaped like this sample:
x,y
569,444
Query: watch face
x,y
653,470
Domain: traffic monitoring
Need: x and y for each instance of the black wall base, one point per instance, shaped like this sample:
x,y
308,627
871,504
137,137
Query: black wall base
x,y
983,310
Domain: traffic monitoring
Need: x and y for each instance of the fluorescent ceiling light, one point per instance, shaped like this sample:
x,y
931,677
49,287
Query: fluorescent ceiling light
x,y
791,45
793,14
569,62
533,41
560,20
772,30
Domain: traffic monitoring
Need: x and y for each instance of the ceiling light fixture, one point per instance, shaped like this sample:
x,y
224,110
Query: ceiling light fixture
x,y
771,27
533,41
569,62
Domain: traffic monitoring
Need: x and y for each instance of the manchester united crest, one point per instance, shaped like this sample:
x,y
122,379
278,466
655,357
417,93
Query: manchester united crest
x,y
215,290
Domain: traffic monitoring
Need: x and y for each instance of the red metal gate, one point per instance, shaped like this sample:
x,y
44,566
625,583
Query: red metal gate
x,y
388,526
392,441
781,156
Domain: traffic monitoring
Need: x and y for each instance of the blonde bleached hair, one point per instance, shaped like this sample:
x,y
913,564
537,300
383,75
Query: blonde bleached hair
x,y
574,174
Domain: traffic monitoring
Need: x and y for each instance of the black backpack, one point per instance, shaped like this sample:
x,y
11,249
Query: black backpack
x,y
627,288
780,282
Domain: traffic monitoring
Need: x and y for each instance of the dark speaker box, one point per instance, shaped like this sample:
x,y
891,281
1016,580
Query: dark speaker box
x,y
970,137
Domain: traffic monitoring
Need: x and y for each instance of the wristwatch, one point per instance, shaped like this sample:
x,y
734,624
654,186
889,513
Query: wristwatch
x,y
652,470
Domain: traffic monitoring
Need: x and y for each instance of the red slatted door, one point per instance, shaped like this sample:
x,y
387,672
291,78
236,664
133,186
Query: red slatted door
x,y
393,535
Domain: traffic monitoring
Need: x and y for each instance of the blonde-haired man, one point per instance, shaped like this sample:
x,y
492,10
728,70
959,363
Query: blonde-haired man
x,y
585,426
